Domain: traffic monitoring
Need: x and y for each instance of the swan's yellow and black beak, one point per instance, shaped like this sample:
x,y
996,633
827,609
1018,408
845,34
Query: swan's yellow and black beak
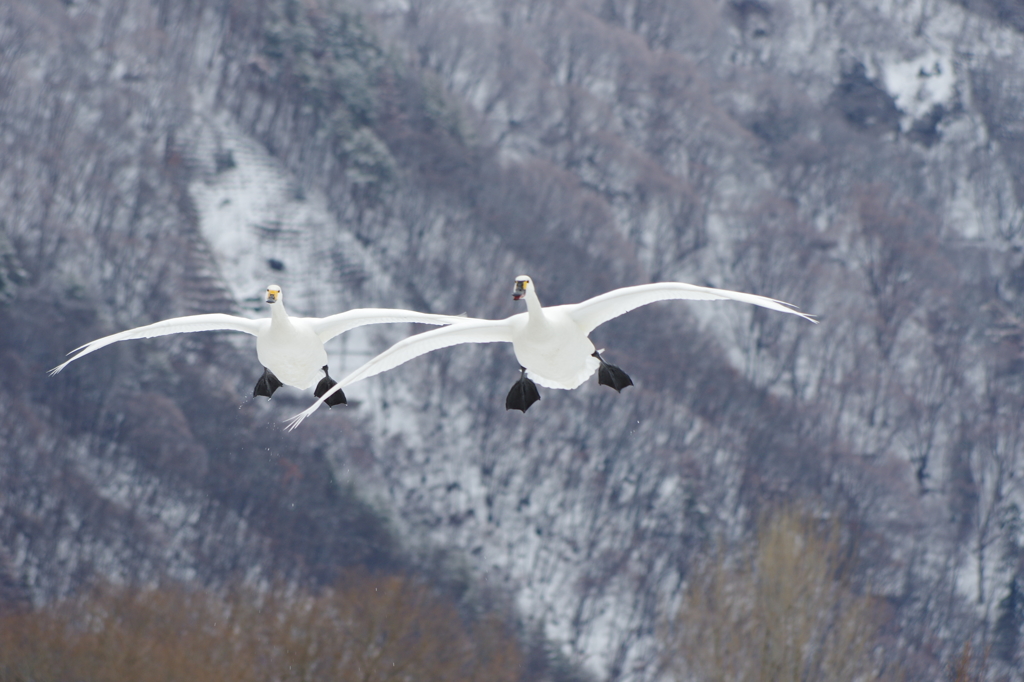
x,y
273,293
520,290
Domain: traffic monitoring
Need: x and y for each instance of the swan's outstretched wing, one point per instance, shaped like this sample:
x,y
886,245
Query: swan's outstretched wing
x,y
467,331
596,311
329,327
175,325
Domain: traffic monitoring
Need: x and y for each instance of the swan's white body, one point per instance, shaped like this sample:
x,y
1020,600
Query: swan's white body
x,y
552,346
551,343
290,347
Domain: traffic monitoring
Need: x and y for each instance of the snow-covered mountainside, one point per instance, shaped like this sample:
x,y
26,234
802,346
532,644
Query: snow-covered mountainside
x,y
862,160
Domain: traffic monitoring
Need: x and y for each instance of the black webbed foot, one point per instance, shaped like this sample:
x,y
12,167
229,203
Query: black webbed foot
x,y
610,375
337,398
267,384
523,394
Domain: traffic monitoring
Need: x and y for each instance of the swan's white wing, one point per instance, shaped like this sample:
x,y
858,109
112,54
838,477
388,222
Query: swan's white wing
x,y
176,325
596,311
329,327
467,331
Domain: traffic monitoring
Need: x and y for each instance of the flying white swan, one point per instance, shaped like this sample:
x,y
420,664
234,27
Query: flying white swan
x,y
551,344
291,349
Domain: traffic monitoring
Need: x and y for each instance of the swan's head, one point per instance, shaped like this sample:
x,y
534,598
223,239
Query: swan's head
x,y
273,294
522,284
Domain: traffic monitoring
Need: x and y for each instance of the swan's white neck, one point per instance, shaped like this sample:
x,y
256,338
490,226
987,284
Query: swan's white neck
x,y
278,316
533,306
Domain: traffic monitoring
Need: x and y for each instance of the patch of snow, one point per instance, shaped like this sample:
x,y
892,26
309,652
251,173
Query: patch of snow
x,y
920,84
264,230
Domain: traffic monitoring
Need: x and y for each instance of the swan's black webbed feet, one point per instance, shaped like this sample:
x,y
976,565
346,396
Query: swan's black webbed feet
x,y
337,398
267,384
523,394
610,375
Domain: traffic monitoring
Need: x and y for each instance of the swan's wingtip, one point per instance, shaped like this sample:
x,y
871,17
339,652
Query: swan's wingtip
x,y
294,422
807,316
790,308
56,370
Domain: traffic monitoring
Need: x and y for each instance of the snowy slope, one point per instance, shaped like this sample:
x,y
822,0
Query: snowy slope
x,y
565,514
862,160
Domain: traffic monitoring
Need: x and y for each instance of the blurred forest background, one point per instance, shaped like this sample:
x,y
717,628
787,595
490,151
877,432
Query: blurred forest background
x,y
773,500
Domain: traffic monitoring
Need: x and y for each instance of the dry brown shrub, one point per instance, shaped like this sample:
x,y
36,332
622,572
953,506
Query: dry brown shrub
x,y
365,629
